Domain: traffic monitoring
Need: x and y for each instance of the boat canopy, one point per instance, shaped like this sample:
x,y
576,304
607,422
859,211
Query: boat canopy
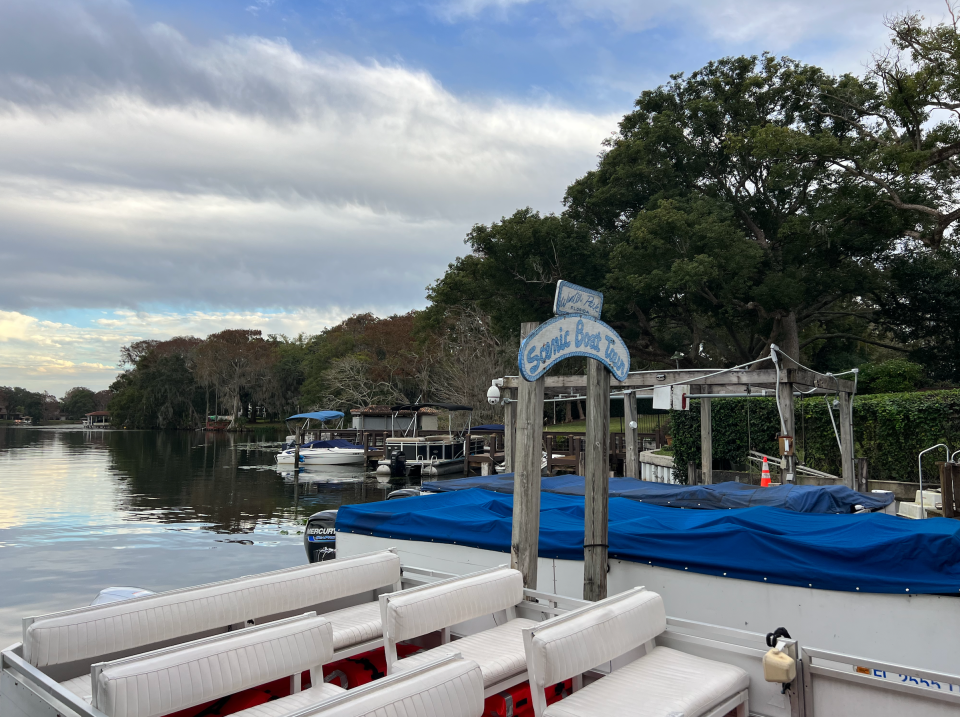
x,y
319,415
418,406
798,498
872,552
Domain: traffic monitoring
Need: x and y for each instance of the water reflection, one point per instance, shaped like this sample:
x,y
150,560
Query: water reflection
x,y
82,510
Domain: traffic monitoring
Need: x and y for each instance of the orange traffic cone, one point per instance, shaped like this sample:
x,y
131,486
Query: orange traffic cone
x,y
765,474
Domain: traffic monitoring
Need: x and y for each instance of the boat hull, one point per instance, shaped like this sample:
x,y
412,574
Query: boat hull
x,y
323,457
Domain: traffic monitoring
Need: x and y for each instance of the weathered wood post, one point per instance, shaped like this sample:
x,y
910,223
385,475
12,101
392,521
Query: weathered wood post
x,y
785,401
528,454
631,462
576,330
846,440
597,482
509,430
706,438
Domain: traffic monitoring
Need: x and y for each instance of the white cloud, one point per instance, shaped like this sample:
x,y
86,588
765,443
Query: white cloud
x,y
839,34
57,356
244,173
138,169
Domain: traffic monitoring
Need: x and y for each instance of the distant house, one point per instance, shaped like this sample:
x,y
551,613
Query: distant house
x,y
381,418
97,419
7,415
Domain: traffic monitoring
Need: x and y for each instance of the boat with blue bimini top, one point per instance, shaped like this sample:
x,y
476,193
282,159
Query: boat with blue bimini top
x,y
331,452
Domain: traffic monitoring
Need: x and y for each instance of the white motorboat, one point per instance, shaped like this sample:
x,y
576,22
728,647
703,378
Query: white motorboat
x,y
312,455
335,452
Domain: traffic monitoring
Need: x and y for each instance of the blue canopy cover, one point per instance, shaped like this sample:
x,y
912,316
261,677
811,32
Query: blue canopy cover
x,y
800,498
871,552
319,415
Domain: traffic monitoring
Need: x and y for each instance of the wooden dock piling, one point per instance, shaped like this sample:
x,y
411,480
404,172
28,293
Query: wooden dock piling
x,y
597,482
524,543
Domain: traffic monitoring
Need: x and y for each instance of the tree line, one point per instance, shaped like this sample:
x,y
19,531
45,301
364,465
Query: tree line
x,y
75,404
363,361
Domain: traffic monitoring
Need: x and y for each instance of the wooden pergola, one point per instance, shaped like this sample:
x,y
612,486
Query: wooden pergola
x,y
706,383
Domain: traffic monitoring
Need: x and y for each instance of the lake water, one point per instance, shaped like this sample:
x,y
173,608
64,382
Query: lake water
x,y
84,510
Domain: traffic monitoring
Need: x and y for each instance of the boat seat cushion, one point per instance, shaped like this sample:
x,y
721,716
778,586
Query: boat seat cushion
x,y
663,683
98,630
424,609
355,625
452,688
175,678
80,686
292,703
571,644
498,652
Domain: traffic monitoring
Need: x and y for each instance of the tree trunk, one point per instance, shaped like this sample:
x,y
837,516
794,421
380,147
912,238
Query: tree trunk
x,y
790,336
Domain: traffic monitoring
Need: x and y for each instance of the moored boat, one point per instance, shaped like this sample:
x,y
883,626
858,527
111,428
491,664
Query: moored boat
x,y
416,456
331,452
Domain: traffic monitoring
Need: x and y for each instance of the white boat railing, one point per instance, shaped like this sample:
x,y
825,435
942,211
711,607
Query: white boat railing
x,y
832,680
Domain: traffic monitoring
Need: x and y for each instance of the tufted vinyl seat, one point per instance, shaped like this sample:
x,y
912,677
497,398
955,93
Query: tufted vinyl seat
x,y
498,652
355,625
661,683
175,678
664,682
292,703
448,687
440,605
94,631
80,686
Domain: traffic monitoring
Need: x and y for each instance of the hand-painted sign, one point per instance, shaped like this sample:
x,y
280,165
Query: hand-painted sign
x,y
573,335
573,299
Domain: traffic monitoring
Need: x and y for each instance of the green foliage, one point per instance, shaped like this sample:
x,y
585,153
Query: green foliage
x,y
922,304
894,376
159,392
78,402
889,431
511,273
20,400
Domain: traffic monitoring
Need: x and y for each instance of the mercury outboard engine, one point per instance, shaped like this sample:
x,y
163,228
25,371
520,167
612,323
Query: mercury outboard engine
x,y
320,538
398,464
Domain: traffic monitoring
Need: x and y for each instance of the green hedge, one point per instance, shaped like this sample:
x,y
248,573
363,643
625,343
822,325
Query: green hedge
x,y
889,431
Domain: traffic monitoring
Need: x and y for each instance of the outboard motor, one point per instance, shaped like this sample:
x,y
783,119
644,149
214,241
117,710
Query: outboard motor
x,y
320,538
398,464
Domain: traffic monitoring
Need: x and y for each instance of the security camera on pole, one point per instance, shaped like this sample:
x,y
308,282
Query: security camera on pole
x,y
576,330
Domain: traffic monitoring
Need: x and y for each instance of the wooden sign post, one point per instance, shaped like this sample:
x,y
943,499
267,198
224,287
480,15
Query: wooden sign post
x,y
576,330
524,542
596,494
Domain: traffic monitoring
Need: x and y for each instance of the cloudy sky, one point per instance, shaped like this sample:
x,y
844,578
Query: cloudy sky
x,y
172,167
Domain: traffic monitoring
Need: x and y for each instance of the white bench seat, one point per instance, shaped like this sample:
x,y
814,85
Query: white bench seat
x,y
293,703
657,685
80,686
355,625
175,678
660,683
99,631
448,687
498,652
